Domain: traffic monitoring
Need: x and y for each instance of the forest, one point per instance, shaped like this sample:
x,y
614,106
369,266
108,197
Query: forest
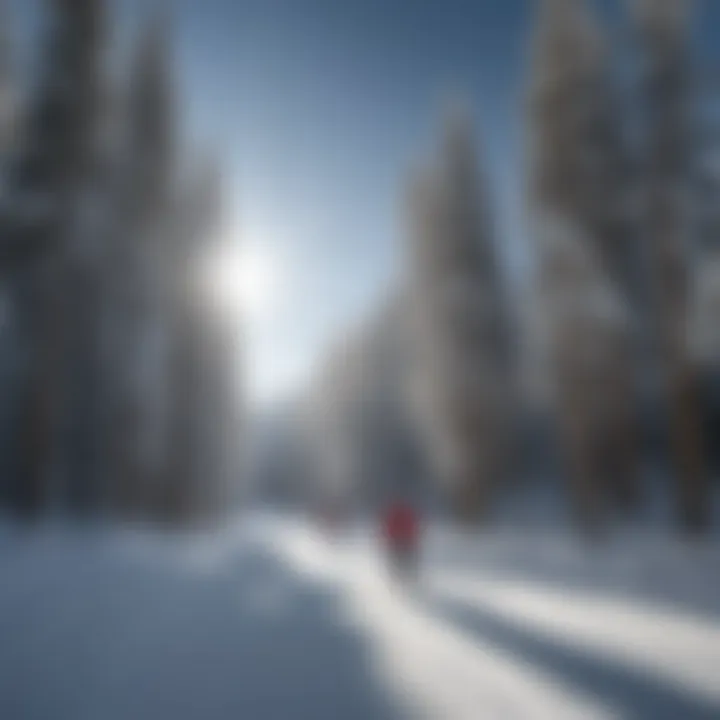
x,y
596,381
117,373
330,390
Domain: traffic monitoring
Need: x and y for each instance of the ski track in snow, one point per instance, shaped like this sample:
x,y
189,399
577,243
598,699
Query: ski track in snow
x,y
268,619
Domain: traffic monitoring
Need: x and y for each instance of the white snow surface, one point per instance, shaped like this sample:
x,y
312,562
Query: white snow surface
x,y
270,618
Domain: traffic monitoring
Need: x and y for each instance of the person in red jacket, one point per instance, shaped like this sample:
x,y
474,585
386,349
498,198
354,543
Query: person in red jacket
x,y
401,536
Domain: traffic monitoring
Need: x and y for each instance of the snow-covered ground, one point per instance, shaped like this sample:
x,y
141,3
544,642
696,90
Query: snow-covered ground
x,y
268,618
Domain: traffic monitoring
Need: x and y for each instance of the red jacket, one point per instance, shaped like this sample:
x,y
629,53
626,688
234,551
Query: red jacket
x,y
400,525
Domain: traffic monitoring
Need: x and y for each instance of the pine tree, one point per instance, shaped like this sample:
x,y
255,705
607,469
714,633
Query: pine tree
x,y
705,290
464,387
584,245
58,155
665,96
139,256
152,141
10,350
89,236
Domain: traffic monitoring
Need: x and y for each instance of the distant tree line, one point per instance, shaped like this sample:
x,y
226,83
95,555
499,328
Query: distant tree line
x,y
117,376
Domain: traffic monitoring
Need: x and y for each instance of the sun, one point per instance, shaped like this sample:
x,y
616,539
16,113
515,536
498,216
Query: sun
x,y
244,280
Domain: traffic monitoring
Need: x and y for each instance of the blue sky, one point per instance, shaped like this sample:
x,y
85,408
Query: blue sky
x,y
318,110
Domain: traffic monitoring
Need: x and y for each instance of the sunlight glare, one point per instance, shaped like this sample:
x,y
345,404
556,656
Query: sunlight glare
x,y
245,281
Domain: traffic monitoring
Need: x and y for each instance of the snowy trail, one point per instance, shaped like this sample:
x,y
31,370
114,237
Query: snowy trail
x,y
519,649
268,620
436,668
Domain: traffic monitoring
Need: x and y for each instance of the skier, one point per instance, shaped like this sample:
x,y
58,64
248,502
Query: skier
x,y
401,535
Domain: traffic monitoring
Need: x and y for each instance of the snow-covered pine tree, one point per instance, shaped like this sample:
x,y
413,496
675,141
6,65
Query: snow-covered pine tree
x,y
665,96
49,181
705,288
139,269
83,484
10,360
152,128
464,382
583,244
